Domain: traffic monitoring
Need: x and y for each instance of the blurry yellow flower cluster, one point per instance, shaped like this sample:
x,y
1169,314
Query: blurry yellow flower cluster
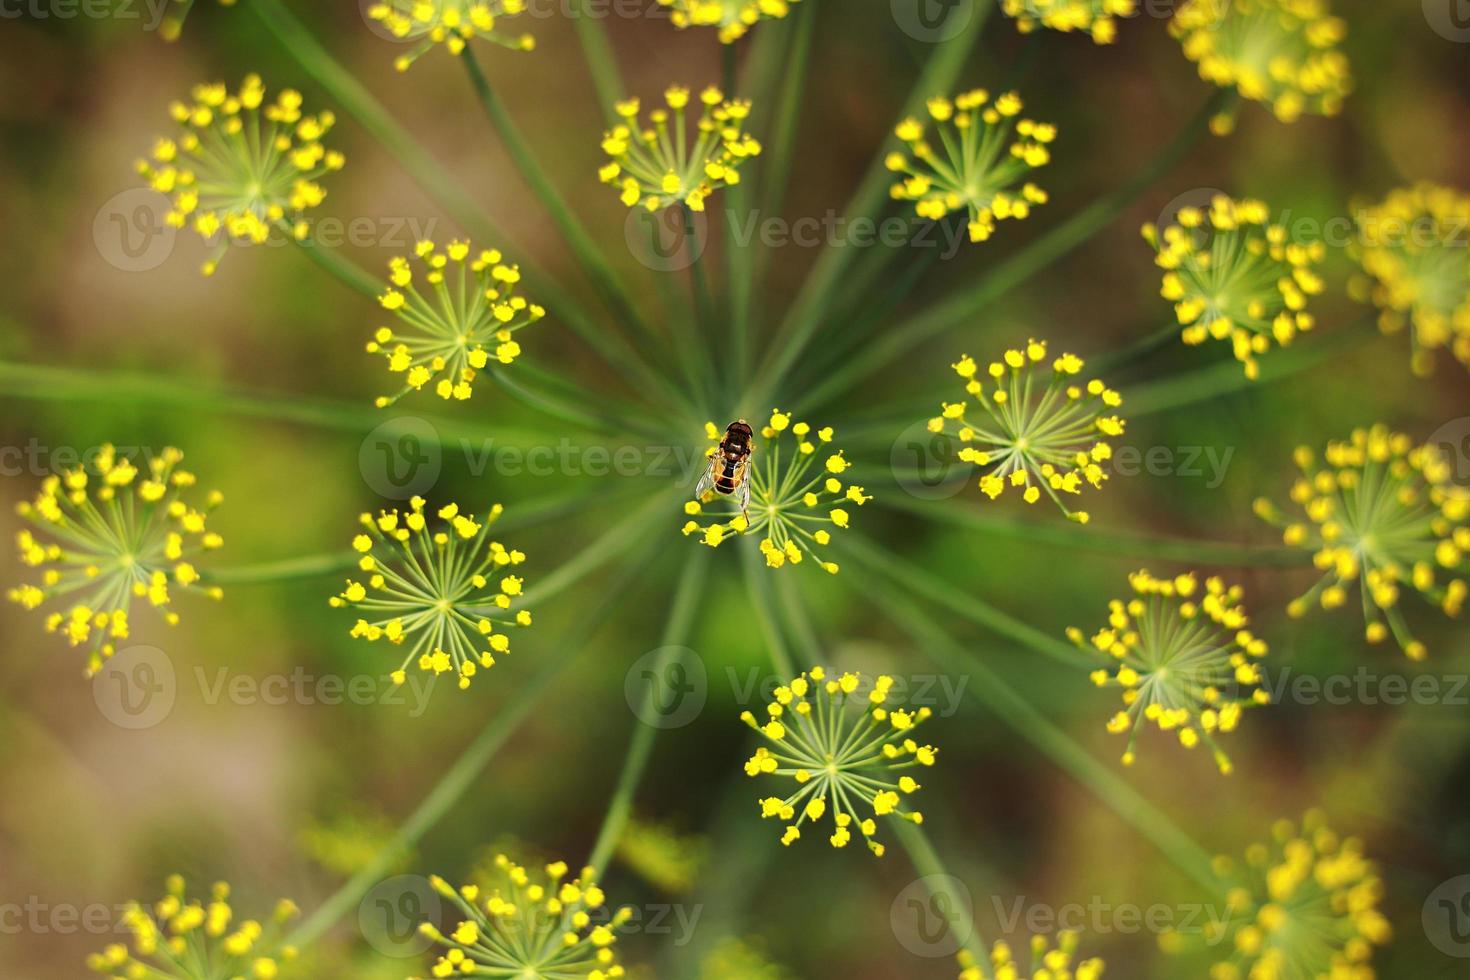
x,y
1414,248
184,939
1234,275
1096,17
1047,962
452,23
733,18
465,316
1183,658
655,166
241,167
842,744
445,593
1382,512
111,533
1048,439
984,151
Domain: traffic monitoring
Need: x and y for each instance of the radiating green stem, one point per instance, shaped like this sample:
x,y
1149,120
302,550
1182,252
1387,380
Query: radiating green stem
x,y
940,885
827,277
676,634
1098,540
758,584
704,307
351,96
1110,362
1306,352
1007,704
594,265
602,64
465,771
967,303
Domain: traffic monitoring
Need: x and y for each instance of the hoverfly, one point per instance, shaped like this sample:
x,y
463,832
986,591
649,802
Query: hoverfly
x,y
729,467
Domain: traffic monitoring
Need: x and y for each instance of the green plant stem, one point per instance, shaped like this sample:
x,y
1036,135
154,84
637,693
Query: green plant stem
x,y
1110,362
349,273
940,885
828,275
593,264
465,770
1021,266
704,313
602,63
435,181
1094,539
1008,705
1307,352
757,583
676,634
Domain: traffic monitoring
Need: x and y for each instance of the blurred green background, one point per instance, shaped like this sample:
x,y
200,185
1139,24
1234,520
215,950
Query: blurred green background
x,y
286,799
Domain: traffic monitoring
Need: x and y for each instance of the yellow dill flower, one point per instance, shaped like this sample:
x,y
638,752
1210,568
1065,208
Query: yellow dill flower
x,y
655,167
179,938
1380,511
452,23
663,857
240,167
1047,963
540,926
460,322
845,749
441,592
1282,53
118,533
1303,906
1234,275
1414,248
1184,660
733,17
1096,17
985,150
1036,439
173,19
796,497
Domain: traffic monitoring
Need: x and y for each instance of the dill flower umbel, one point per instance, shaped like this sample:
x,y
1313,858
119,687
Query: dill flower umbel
x,y
733,17
1096,17
1183,659
1234,275
1414,248
1047,963
985,150
458,324
241,167
1049,439
443,593
1303,906
1282,53
536,925
452,23
186,939
793,500
843,748
655,166
1382,512
118,533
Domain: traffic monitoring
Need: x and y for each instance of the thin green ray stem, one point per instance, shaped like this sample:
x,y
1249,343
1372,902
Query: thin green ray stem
x,y
677,629
465,770
1094,539
826,278
758,584
1007,704
941,887
1110,362
353,98
594,265
704,313
349,273
1021,266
